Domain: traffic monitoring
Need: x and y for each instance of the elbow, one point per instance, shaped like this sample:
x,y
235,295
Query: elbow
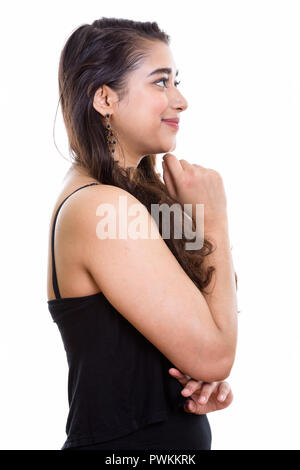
x,y
222,372
226,364
215,369
215,373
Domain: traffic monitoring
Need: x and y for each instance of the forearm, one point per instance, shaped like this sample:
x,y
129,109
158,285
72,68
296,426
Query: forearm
x,y
221,292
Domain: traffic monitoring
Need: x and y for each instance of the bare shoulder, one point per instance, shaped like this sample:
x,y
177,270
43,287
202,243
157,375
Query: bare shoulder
x,y
85,201
98,193
89,205
93,217
102,217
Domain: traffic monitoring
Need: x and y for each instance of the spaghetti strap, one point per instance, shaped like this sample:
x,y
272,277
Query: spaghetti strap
x,y
54,278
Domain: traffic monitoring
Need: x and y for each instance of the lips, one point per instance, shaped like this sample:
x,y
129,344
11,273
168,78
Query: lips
x,y
172,122
175,120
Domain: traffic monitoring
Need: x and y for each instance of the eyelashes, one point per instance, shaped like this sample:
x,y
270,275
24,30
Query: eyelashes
x,y
165,80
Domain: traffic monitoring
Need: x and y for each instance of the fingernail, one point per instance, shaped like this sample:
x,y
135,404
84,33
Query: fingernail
x,y
186,391
221,397
203,399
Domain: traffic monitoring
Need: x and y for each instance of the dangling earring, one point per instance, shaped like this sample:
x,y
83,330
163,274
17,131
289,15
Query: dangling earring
x,y
109,134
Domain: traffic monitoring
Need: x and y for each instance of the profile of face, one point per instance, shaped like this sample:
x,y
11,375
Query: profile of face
x,y
137,120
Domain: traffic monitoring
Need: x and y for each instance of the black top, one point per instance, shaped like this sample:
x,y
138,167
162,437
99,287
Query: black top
x,y
118,381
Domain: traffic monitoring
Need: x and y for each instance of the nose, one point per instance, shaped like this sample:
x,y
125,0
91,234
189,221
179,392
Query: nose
x,y
180,102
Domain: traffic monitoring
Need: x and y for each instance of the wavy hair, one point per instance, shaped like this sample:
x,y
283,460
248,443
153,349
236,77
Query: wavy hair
x,y
106,52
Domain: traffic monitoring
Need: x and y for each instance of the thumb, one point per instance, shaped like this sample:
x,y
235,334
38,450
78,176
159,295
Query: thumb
x,y
168,180
188,405
168,153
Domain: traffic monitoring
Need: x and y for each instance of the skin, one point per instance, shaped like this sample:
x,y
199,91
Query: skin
x,y
216,395
136,121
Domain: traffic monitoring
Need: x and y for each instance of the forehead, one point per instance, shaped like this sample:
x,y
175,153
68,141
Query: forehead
x,y
159,56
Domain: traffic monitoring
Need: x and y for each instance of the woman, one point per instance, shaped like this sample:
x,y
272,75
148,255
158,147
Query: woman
x,y
132,313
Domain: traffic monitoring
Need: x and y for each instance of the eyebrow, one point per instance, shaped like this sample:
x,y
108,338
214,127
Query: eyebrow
x,y
162,70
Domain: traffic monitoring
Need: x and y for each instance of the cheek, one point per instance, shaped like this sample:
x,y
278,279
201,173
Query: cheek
x,y
159,104
147,110
154,104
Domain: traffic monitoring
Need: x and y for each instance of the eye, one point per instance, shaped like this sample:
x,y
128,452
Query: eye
x,y
165,80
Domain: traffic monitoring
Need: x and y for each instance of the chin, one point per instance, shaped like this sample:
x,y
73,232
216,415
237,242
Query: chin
x,y
168,147
164,147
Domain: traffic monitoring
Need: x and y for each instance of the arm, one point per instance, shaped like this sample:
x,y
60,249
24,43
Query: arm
x,y
221,298
132,274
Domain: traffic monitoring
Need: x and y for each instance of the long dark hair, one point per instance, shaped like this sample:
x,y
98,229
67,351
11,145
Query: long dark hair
x,y
105,52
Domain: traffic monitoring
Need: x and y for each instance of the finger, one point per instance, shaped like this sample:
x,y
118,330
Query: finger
x,y
223,391
206,391
189,406
168,181
198,166
191,387
177,373
185,165
174,167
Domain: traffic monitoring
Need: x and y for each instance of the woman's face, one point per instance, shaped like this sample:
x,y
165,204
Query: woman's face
x,y
138,117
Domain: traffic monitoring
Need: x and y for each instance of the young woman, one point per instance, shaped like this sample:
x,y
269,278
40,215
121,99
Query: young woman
x,y
135,319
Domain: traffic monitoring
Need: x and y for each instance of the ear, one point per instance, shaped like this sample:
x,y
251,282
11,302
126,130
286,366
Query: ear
x,y
104,100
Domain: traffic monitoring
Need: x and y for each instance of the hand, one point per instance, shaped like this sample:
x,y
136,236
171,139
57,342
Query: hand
x,y
194,184
211,391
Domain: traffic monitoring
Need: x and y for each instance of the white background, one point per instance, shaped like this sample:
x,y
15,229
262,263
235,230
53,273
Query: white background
x,y
239,68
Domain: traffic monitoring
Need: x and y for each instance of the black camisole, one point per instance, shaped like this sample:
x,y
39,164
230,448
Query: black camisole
x,y
120,393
